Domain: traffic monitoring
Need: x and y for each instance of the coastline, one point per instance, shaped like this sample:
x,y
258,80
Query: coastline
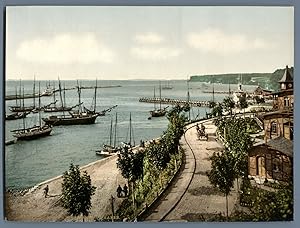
x,y
33,206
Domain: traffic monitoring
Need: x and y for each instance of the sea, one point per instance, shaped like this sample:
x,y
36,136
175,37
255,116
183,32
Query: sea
x,y
28,163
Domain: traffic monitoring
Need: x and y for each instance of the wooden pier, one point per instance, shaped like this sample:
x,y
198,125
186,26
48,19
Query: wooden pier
x,y
171,101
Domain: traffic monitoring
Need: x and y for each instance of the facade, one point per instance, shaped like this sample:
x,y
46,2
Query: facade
x,y
272,159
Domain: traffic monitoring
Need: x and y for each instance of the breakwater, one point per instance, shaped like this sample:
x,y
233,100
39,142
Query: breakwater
x,y
171,101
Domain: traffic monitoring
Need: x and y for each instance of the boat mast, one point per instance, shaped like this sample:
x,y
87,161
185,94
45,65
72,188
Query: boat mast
x,y
95,100
20,94
61,100
23,109
54,98
79,91
213,92
34,92
159,95
16,96
188,97
154,100
64,104
115,139
130,129
40,122
110,133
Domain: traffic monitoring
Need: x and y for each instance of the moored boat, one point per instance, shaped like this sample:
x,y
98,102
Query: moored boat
x,y
33,132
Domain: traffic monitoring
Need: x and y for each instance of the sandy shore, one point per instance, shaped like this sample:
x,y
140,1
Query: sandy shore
x,y
33,206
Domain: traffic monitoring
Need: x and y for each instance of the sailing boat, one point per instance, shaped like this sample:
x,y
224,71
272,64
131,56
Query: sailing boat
x,y
92,110
48,91
35,131
63,107
17,115
130,143
111,148
19,108
158,112
167,86
75,118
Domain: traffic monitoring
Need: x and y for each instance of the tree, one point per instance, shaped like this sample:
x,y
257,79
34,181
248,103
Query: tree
x,y
221,174
77,191
228,104
217,110
243,102
131,167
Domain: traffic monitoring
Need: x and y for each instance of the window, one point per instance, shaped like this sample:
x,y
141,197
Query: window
x,y
273,127
286,102
276,165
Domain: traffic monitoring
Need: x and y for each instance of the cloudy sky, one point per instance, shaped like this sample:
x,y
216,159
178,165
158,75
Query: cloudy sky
x,y
146,42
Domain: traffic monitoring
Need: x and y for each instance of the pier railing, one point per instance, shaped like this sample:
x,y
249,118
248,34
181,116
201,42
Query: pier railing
x,y
171,101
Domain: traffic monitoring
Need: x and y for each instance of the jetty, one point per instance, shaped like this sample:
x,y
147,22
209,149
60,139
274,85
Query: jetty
x,y
171,101
217,92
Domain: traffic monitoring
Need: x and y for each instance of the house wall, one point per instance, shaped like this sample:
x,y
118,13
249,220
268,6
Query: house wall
x,y
266,163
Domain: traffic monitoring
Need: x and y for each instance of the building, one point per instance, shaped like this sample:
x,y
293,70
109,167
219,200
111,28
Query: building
x,y
272,159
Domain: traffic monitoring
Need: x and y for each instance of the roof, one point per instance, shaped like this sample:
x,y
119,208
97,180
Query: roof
x,y
284,92
279,113
287,77
282,145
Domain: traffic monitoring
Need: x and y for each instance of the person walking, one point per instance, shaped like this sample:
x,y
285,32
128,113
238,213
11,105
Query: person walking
x,y
46,190
125,190
119,191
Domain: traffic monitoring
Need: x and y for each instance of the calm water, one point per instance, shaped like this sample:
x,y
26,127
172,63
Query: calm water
x,y
28,163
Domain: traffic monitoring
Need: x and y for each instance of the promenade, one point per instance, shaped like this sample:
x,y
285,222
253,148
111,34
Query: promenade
x,y
191,197
33,206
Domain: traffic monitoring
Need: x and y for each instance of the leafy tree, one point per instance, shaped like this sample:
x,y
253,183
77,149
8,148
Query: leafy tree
x,y
77,191
243,102
221,174
259,100
217,110
130,164
212,104
274,206
228,104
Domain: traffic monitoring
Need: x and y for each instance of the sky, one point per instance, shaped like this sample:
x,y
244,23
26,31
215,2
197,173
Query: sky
x,y
146,42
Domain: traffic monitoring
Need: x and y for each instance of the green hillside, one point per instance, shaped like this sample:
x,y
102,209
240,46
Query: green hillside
x,y
266,80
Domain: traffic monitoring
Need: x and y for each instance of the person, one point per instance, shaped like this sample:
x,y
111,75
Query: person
x,y
197,127
125,190
202,128
46,190
119,191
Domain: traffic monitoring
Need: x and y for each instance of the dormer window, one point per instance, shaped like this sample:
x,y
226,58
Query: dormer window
x,y
283,86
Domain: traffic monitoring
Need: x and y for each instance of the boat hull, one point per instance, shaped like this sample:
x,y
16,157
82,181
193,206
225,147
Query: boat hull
x,y
33,134
16,116
56,121
59,109
21,109
158,113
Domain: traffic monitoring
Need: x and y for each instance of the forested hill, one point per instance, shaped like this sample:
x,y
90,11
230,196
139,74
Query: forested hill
x,y
265,80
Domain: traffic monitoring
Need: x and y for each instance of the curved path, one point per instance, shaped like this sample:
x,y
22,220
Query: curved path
x,y
191,197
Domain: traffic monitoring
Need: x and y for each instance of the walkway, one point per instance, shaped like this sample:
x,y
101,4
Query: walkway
x,y
33,206
192,197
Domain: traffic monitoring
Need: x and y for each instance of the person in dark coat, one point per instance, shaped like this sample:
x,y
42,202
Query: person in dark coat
x,y
119,191
46,190
125,190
